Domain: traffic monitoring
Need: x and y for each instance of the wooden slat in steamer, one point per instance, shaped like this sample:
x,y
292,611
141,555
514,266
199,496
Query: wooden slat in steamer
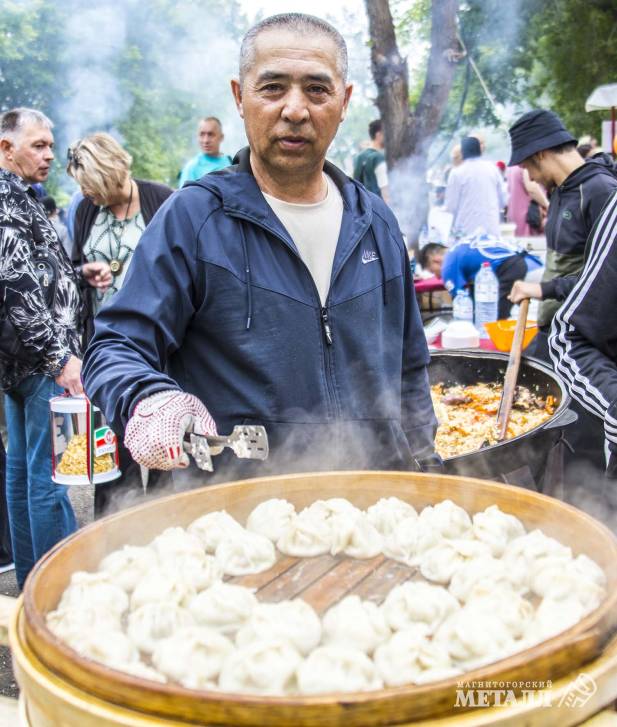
x,y
83,551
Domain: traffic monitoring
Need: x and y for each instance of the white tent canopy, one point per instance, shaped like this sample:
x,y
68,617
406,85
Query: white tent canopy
x,y
603,97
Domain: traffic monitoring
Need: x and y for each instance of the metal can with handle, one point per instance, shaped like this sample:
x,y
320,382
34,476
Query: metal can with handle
x,y
84,448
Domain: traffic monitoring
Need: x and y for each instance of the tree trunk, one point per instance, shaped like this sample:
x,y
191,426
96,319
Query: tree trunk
x,y
409,133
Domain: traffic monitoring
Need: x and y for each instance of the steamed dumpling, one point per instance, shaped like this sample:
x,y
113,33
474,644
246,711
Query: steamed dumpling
x,y
176,542
525,555
589,570
514,611
313,531
292,621
271,518
244,553
325,509
182,555
409,539
159,585
559,580
193,656
223,607
418,604
198,572
307,535
214,527
388,512
337,668
96,590
154,621
73,623
448,519
354,536
473,636
261,667
126,566
112,648
496,529
403,658
357,623
440,563
554,616
478,576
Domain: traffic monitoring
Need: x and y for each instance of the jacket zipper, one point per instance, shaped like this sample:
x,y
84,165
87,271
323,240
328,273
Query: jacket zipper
x,y
332,403
327,328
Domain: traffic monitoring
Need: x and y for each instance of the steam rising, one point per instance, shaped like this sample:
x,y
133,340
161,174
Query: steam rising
x,y
189,55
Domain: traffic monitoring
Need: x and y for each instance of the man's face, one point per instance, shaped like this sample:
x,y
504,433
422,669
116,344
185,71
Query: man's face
x,y
31,155
539,169
209,136
292,100
435,263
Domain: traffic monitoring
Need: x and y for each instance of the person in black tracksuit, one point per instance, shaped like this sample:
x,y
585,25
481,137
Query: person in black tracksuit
x,y
583,345
582,196
579,191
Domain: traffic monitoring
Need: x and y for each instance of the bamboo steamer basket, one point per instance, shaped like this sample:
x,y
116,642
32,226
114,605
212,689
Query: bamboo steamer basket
x,y
54,677
48,701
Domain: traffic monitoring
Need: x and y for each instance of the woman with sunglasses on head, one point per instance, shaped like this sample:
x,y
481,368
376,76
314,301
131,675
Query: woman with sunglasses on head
x,y
114,212
109,222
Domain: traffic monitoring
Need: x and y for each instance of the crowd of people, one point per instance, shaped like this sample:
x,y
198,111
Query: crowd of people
x,y
271,289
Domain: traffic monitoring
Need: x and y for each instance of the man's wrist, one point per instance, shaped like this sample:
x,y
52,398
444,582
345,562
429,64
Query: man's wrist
x,y
59,368
152,390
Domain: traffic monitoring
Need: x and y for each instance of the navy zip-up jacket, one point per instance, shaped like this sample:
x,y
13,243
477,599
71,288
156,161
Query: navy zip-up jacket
x,y
217,302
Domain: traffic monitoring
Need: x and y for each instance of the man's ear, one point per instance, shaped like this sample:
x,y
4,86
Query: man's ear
x,y
6,147
348,91
236,90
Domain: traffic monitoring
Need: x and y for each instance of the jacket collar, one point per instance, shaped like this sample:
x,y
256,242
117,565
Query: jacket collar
x,y
240,194
15,179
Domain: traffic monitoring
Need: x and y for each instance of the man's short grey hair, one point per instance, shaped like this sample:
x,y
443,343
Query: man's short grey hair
x,y
13,122
297,23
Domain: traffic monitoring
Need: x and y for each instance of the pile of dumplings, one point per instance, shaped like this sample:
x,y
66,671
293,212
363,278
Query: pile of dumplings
x,y
482,589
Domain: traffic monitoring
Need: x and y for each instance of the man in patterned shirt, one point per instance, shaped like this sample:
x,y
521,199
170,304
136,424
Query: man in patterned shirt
x,y
40,347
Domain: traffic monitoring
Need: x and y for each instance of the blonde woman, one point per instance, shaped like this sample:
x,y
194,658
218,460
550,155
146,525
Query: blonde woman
x,y
114,212
108,224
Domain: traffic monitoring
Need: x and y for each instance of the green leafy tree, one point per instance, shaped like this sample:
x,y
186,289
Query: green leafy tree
x,y
30,65
573,47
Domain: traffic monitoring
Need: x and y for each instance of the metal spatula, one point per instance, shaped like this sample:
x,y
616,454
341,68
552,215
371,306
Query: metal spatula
x,y
246,442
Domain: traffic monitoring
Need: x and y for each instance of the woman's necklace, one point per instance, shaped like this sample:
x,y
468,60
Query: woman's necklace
x,y
116,264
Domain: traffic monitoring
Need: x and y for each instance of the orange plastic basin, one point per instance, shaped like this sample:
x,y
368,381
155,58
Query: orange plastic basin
x,y
502,333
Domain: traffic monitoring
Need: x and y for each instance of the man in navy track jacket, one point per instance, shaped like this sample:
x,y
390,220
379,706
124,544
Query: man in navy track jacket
x,y
277,291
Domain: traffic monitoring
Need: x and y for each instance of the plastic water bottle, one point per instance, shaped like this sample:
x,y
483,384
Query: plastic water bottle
x,y
486,293
462,307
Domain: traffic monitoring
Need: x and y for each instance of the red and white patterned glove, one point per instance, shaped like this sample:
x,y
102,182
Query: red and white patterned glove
x,y
155,432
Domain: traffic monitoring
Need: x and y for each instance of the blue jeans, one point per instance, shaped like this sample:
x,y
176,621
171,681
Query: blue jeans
x,y
40,513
